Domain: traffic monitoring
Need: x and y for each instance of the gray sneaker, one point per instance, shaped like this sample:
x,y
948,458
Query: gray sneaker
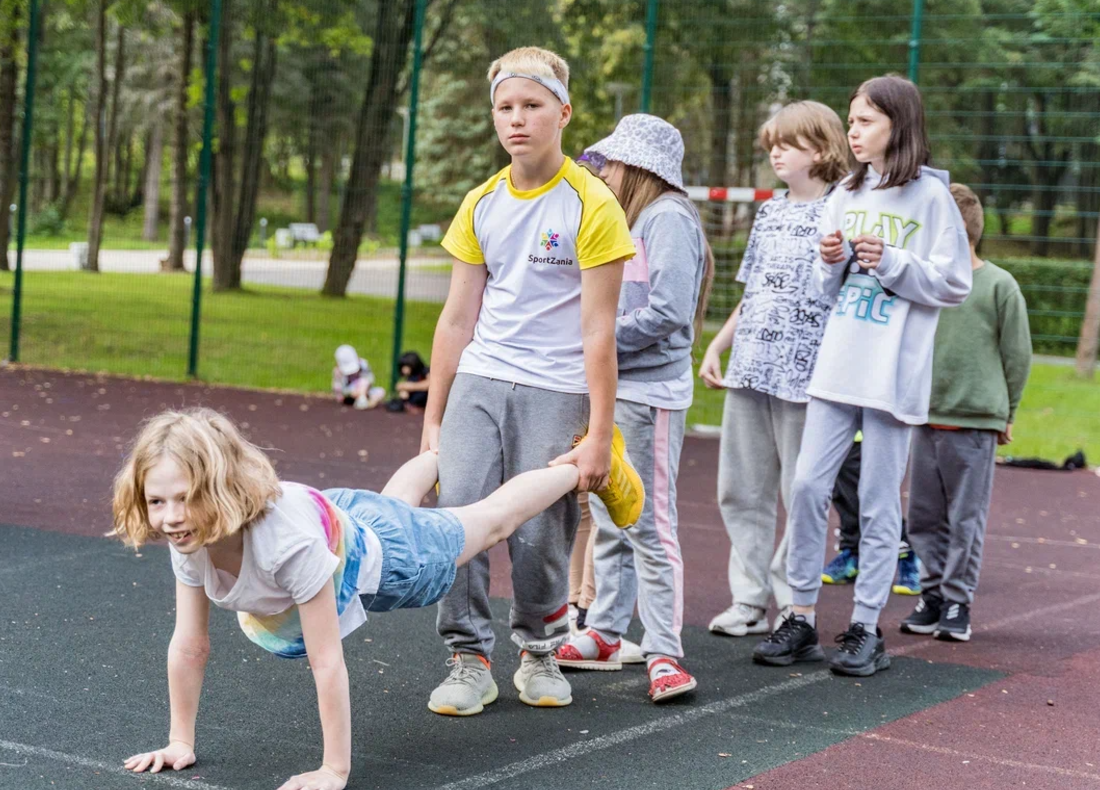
x,y
467,690
540,683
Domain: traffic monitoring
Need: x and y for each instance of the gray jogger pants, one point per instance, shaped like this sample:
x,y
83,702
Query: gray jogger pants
x,y
644,560
949,493
492,431
826,442
761,437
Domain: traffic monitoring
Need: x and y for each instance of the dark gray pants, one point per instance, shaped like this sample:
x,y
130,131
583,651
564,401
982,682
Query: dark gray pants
x,y
492,431
949,494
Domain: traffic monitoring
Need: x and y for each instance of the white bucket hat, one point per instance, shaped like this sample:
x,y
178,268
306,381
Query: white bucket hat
x,y
347,360
644,141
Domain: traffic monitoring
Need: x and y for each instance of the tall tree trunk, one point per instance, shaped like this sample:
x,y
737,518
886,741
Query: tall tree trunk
x,y
1090,327
116,86
70,133
224,165
393,33
53,191
73,183
154,153
259,99
9,79
330,156
176,228
95,220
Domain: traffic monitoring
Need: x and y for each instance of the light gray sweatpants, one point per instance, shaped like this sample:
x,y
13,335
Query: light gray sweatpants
x,y
949,493
645,560
761,437
826,442
492,431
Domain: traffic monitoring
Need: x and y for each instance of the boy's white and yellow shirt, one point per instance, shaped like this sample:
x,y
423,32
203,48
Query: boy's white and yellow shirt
x,y
535,244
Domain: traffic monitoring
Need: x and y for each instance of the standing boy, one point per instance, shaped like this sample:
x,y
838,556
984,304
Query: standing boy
x,y
523,363
980,365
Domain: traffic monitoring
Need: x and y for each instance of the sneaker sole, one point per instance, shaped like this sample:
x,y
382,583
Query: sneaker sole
x,y
814,653
901,590
826,579
675,692
451,710
598,666
953,636
541,702
909,628
633,659
880,663
762,627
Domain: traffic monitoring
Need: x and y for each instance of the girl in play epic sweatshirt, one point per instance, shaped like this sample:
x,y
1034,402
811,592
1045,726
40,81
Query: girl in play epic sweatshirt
x,y
893,252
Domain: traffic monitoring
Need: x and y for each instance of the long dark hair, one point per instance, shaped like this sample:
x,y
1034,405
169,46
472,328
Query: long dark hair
x,y
908,148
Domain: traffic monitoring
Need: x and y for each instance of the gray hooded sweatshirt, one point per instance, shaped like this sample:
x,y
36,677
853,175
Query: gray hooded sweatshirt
x,y
660,291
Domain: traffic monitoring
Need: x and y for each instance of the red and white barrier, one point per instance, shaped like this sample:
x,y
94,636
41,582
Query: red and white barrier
x,y
733,194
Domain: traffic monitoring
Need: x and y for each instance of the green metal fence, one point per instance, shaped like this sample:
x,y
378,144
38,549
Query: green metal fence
x,y
276,142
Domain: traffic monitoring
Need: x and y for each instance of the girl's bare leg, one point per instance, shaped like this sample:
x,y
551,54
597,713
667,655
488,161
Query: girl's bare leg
x,y
496,517
412,482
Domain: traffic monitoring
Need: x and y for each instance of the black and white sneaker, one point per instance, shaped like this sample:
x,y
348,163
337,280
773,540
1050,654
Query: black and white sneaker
x,y
861,653
954,623
794,640
925,618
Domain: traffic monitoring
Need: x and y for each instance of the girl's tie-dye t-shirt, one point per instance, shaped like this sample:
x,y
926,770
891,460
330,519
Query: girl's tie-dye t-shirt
x,y
289,554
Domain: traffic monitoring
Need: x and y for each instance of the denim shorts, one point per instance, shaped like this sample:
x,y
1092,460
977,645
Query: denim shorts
x,y
419,547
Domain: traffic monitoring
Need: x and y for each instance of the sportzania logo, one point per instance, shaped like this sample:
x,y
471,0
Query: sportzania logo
x,y
548,241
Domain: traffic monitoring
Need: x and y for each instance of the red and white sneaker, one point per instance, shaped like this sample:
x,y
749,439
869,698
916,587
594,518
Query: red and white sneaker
x,y
668,679
589,650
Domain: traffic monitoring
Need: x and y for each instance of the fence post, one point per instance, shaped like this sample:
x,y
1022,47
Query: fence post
x,y
650,38
24,169
914,40
407,194
204,180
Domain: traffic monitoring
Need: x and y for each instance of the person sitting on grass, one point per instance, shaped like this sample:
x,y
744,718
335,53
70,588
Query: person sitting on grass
x,y
300,566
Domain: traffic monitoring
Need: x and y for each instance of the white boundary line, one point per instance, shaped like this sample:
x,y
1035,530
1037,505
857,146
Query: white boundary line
x,y
540,761
83,762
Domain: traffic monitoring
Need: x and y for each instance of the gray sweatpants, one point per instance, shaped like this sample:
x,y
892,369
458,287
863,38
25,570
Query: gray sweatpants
x,y
492,431
825,444
761,437
645,560
949,493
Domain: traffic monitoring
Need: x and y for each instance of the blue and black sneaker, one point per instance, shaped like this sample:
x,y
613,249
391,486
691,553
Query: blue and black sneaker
x,y
908,581
843,569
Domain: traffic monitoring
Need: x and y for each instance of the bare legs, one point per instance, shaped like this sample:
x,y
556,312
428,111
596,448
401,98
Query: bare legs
x,y
496,517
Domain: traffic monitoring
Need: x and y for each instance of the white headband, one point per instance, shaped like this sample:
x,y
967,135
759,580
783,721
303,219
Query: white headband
x,y
554,86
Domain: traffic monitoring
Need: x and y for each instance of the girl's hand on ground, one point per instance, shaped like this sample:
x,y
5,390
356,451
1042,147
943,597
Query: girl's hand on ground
x,y
593,462
177,755
868,249
323,779
832,248
710,371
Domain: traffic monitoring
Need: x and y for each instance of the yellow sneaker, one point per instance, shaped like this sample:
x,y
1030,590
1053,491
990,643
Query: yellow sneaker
x,y
624,496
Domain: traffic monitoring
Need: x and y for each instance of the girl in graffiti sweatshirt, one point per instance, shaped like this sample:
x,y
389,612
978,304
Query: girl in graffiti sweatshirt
x,y
893,252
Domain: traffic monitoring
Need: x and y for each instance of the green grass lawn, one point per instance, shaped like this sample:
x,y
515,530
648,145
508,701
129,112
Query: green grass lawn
x,y
138,325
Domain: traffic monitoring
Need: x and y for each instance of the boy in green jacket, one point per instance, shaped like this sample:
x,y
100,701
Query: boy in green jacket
x,y
981,363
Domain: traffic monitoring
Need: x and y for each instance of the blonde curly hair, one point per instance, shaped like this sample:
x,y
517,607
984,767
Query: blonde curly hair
x,y
231,480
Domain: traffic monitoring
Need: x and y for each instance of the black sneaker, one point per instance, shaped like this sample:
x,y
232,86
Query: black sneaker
x,y
861,653
954,622
924,618
794,640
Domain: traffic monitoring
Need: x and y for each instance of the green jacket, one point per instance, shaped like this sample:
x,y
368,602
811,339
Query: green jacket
x,y
982,356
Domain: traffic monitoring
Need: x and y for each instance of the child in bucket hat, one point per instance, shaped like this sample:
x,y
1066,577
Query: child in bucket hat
x,y
661,304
